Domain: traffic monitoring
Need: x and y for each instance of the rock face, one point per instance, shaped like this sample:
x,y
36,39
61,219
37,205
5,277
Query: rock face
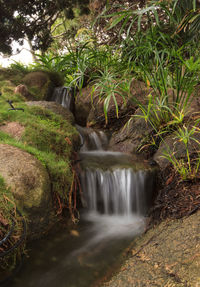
x,y
166,255
30,185
83,105
130,137
94,113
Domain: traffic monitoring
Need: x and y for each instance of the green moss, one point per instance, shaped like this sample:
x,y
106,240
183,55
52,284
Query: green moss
x,y
5,208
35,91
40,94
44,137
8,215
12,75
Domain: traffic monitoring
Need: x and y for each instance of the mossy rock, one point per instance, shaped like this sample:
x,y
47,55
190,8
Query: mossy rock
x,y
54,107
39,85
30,185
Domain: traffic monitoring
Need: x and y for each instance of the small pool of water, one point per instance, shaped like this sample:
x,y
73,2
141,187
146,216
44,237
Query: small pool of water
x,y
81,256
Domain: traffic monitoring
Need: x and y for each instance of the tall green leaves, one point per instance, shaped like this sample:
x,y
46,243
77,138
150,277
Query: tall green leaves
x,y
109,86
185,135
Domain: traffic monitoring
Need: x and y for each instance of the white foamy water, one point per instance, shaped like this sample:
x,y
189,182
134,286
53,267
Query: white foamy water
x,y
92,140
108,226
63,96
114,192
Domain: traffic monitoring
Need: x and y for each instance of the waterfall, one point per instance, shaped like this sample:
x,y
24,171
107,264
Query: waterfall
x,y
64,96
92,140
117,192
116,188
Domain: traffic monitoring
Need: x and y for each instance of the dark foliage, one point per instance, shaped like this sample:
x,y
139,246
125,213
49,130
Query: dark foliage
x,y
33,19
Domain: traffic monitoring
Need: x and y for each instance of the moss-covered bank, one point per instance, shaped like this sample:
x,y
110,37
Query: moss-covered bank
x,y
47,136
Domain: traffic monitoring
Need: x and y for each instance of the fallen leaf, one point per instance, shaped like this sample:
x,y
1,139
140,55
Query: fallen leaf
x,y
68,141
74,233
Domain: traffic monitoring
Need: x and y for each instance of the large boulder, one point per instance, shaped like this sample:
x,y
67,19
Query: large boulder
x,y
132,135
83,105
93,113
166,255
96,116
39,85
30,185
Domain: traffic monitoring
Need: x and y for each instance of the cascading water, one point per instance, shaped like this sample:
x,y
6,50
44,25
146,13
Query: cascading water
x,y
91,140
64,96
116,189
117,192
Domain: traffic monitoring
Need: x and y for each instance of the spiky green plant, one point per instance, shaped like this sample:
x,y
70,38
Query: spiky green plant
x,y
187,169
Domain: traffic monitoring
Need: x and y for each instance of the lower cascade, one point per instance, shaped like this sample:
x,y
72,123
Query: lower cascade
x,y
117,192
117,189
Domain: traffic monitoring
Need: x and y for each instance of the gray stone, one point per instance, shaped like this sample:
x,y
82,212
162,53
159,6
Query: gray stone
x,y
132,135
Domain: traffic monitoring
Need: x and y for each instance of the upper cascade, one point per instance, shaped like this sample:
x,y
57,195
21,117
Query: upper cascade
x,y
64,96
92,140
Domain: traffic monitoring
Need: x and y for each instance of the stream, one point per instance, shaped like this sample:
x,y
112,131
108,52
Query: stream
x,y
116,194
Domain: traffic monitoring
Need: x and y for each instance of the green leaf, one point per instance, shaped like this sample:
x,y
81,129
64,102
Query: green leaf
x,y
106,105
116,21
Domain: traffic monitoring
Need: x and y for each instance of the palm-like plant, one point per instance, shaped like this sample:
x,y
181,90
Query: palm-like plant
x,y
190,24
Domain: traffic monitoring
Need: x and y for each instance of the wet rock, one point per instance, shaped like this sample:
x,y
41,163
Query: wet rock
x,y
132,135
30,185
